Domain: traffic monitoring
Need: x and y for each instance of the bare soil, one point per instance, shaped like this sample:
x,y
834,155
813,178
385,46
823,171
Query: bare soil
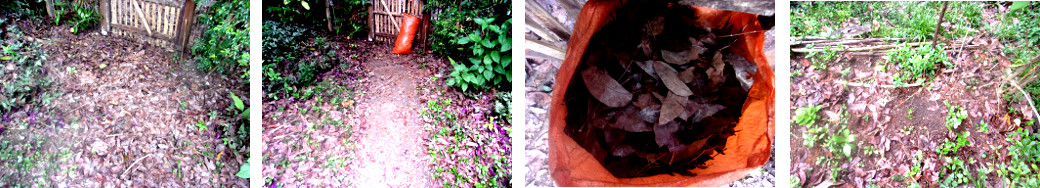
x,y
373,138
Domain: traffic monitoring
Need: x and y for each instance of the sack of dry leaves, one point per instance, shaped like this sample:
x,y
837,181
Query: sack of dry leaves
x,y
747,149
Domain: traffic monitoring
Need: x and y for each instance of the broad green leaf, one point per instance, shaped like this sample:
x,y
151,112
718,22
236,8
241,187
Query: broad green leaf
x,y
488,75
487,43
469,77
1018,5
6,58
238,102
507,44
495,56
305,5
243,172
487,59
463,41
474,37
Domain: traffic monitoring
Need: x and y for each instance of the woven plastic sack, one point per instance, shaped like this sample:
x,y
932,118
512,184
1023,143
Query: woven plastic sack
x,y
409,25
748,149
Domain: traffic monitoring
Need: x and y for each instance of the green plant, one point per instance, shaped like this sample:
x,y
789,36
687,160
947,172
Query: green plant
x,y
841,143
22,82
958,170
948,147
503,103
455,18
910,113
355,24
983,126
806,115
1024,154
955,116
243,171
292,62
224,47
916,63
490,63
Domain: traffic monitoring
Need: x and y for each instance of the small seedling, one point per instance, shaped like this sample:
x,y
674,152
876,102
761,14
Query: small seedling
x,y
201,125
806,115
910,113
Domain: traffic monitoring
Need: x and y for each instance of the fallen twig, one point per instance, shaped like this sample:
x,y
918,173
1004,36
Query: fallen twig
x,y
132,165
868,48
1028,98
843,82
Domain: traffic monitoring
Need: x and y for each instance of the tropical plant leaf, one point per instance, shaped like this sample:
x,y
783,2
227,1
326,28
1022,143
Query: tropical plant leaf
x,y
238,102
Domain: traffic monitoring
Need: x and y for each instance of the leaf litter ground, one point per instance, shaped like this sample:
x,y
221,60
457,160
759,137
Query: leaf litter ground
x,y
895,124
126,117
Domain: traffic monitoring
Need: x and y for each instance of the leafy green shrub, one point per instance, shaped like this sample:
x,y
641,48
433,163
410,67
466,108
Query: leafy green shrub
x,y
224,47
1022,170
503,103
453,18
948,147
489,65
291,60
81,15
29,8
352,19
915,63
25,83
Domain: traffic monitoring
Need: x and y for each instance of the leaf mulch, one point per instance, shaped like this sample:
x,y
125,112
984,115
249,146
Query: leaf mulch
x,y
126,116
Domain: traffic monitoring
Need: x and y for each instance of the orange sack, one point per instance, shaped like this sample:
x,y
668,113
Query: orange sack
x,y
407,34
748,149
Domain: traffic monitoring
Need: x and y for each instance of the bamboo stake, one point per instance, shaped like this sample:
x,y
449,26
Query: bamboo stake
x,y
390,14
805,50
938,26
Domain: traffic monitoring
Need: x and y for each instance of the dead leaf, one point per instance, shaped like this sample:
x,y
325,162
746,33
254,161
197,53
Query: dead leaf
x,y
668,76
715,71
604,88
686,76
630,119
743,68
698,112
648,67
672,107
650,114
654,26
664,135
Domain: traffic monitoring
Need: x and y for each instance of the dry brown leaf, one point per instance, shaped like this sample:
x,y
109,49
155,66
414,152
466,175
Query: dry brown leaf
x,y
604,88
686,76
715,71
664,134
648,67
630,119
668,76
654,26
743,68
697,111
672,107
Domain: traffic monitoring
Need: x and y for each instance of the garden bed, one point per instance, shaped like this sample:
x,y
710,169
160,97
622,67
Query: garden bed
x,y
115,112
905,115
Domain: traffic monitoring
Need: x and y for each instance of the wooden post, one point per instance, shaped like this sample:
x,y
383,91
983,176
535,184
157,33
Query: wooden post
x,y
371,29
184,24
328,14
424,31
50,9
106,17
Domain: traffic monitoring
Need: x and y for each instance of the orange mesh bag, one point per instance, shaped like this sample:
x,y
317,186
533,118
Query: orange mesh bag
x,y
407,34
748,149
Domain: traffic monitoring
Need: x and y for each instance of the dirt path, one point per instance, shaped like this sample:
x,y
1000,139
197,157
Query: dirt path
x,y
390,150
